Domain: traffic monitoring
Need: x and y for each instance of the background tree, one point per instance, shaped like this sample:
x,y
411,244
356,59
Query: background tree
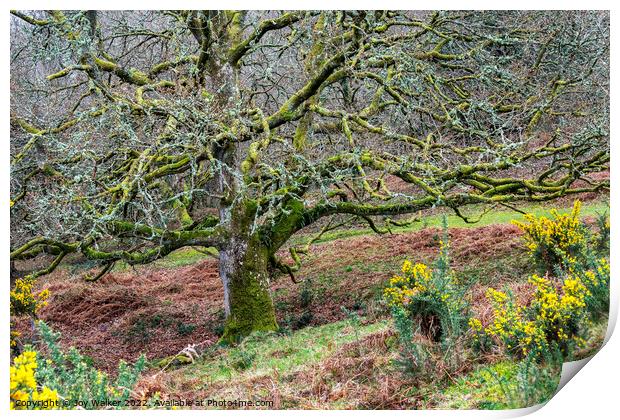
x,y
137,133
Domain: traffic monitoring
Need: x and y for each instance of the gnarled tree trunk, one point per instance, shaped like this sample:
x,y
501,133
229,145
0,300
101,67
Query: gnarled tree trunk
x,y
244,264
247,299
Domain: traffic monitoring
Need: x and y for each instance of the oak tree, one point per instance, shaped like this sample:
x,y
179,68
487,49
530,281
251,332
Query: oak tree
x,y
137,133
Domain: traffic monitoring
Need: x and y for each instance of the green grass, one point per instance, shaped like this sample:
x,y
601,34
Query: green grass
x,y
262,354
594,338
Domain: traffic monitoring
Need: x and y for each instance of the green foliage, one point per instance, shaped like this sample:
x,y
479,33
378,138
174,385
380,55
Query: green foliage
x,y
217,325
185,329
144,327
414,357
294,321
504,385
303,320
141,331
241,358
306,294
534,382
603,236
479,389
75,379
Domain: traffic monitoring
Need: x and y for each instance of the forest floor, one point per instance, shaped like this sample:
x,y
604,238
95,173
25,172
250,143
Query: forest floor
x,y
337,344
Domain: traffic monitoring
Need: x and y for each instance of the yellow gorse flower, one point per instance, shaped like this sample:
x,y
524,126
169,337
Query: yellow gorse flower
x,y
547,318
23,300
475,324
553,238
406,266
46,394
23,385
414,280
14,336
22,371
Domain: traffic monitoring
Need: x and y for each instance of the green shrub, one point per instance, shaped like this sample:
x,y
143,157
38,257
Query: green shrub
x,y
414,357
75,379
434,299
306,294
603,234
431,303
504,385
302,320
241,359
185,329
534,383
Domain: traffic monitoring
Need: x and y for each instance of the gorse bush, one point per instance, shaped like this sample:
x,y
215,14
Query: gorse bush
x,y
551,241
414,356
434,298
50,378
555,317
551,321
604,230
591,267
429,302
23,300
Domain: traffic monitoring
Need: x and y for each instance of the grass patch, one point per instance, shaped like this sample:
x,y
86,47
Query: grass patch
x,y
479,389
263,353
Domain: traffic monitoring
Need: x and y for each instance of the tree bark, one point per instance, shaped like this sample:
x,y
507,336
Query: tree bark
x,y
247,299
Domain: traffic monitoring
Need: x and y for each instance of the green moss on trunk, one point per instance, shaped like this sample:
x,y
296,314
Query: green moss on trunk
x,y
245,276
250,304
